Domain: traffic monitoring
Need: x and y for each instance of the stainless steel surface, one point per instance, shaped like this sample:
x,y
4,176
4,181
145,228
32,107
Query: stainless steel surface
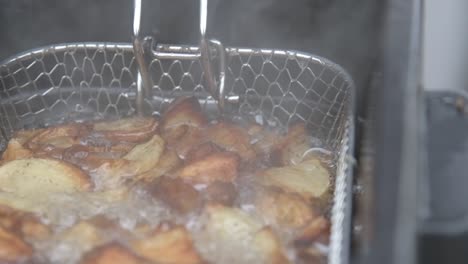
x,y
98,80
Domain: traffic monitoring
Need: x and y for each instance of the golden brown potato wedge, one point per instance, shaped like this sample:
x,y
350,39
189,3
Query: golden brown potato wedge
x,y
180,196
291,148
133,129
220,192
313,230
269,246
183,111
24,135
62,136
221,166
192,138
231,138
262,139
201,151
112,253
13,249
309,178
287,210
26,224
168,246
172,135
83,233
15,150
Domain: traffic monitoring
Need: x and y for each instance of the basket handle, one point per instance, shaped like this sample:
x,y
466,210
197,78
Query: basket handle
x,y
144,83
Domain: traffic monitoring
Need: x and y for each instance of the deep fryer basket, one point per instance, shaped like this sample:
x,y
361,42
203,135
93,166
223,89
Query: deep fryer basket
x,y
67,82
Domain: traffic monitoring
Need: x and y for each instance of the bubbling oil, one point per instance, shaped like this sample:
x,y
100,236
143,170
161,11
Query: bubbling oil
x,y
136,206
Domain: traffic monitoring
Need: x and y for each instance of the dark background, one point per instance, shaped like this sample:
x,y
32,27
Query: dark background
x,y
345,31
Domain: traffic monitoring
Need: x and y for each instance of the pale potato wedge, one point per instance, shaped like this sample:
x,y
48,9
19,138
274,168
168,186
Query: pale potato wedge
x,y
169,246
27,183
287,210
183,111
222,166
231,138
13,249
309,178
269,246
168,162
33,176
112,253
133,129
227,223
142,158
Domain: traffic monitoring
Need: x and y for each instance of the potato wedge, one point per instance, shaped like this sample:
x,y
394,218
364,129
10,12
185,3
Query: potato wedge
x,y
183,111
313,230
220,192
190,140
287,210
309,178
15,150
139,160
291,148
169,246
231,138
33,176
62,136
227,223
13,249
180,196
168,162
24,135
112,253
133,129
269,246
28,183
201,151
221,166
84,234
26,224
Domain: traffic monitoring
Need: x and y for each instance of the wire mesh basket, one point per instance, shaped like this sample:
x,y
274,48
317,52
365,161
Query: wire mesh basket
x,y
67,82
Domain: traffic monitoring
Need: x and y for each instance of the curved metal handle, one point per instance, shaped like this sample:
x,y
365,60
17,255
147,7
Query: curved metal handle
x,y
144,83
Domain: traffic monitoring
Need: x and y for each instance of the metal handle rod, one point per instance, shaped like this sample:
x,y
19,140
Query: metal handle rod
x,y
144,84
216,92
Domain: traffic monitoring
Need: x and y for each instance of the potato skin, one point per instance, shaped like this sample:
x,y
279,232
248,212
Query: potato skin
x,y
112,253
221,166
180,196
173,245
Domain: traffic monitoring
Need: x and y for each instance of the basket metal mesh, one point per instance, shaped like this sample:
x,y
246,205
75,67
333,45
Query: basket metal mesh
x,y
98,80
